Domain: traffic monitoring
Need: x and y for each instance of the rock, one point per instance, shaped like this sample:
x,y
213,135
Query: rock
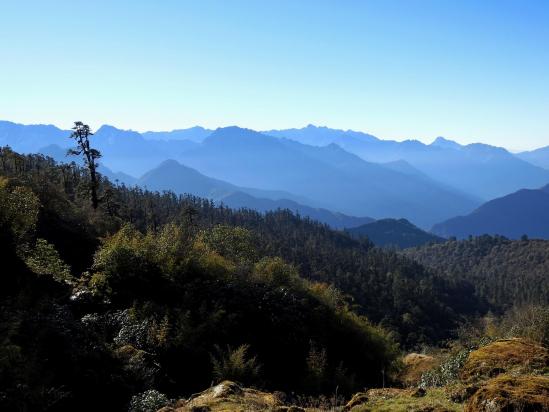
x,y
419,393
357,399
511,393
517,356
225,388
229,396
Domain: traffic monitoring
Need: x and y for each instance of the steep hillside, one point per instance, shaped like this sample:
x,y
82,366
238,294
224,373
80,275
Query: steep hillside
x,y
505,272
525,212
394,232
369,275
237,200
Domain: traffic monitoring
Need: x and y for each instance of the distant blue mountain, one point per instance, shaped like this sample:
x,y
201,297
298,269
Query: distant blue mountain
x,y
538,157
395,233
481,170
525,212
123,150
30,138
334,178
195,134
171,175
349,172
128,151
60,155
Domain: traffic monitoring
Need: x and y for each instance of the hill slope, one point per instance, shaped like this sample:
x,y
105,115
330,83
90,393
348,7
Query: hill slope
x,y
525,212
392,232
538,157
505,272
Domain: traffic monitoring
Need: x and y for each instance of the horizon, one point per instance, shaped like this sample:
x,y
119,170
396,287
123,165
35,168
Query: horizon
x,y
423,141
401,70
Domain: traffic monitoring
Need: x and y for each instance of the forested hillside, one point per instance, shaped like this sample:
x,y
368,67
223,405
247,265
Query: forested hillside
x,y
505,272
158,291
396,233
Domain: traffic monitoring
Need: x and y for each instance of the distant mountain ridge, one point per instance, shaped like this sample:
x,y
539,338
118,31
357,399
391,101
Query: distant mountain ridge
x,y
195,134
525,212
334,178
348,172
538,157
394,232
171,175
481,170
60,155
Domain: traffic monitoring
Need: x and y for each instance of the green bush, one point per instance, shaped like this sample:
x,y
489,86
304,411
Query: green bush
x,y
235,364
148,401
44,259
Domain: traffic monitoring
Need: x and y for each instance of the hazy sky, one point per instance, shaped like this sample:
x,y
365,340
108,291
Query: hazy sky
x,y
468,70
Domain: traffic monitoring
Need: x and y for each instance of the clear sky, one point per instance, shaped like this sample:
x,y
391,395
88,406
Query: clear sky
x,y
467,70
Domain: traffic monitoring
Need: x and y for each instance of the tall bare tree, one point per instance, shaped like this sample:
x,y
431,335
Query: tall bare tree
x,y
81,135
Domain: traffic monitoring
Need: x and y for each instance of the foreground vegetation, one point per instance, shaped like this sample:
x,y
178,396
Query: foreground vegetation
x,y
150,297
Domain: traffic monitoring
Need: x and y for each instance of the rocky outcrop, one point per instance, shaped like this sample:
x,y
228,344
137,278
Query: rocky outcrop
x,y
229,396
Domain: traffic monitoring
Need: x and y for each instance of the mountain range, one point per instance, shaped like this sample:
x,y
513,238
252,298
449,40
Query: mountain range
x,y
328,174
182,179
332,177
480,170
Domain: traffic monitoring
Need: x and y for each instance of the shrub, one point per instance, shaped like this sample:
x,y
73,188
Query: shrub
x,y
530,321
276,272
148,401
234,364
44,259
447,372
233,243
19,208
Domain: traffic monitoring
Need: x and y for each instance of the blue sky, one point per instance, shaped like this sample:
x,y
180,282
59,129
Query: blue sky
x,y
466,70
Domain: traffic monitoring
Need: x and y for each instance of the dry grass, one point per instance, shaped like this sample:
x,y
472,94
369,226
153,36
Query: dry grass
x,y
403,400
515,356
511,393
415,365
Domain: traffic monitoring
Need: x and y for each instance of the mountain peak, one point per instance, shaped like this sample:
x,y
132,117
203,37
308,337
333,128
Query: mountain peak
x,y
170,163
445,143
111,132
108,128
